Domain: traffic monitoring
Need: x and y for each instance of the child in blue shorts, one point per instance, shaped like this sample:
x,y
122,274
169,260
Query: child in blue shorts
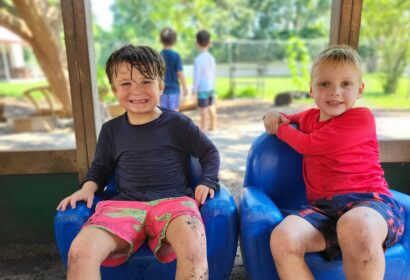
x,y
351,210
174,73
204,81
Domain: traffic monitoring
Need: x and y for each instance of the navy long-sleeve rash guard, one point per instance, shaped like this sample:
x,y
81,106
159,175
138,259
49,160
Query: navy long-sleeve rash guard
x,y
151,160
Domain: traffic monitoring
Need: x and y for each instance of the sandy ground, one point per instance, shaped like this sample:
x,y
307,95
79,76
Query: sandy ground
x,y
239,123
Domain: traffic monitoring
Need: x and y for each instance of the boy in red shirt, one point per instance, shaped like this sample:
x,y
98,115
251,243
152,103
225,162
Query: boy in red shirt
x,y
350,207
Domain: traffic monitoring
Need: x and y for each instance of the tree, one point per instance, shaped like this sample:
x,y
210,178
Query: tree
x,y
385,26
284,19
140,21
298,62
38,22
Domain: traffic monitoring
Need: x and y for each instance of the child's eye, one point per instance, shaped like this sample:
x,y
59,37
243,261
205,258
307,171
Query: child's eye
x,y
147,82
125,84
323,84
347,84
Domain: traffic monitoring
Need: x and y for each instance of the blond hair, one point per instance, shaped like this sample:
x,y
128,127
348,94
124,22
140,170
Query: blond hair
x,y
338,55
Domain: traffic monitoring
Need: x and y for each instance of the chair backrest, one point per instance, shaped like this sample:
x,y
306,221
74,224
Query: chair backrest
x,y
54,104
276,169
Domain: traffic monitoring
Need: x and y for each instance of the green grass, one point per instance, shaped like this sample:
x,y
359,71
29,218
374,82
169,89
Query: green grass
x,y
373,97
373,94
15,89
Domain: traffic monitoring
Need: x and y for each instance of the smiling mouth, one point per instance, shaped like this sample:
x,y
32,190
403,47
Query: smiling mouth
x,y
139,101
334,103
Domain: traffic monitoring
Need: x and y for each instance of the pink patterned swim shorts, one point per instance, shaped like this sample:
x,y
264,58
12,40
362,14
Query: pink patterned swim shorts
x,y
135,221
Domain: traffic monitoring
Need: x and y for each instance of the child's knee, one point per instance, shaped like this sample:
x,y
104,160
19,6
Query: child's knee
x,y
193,226
361,229
79,252
84,250
285,241
192,247
187,233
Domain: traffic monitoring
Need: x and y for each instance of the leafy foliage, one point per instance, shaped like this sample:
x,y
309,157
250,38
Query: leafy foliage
x,y
139,22
385,28
283,19
298,62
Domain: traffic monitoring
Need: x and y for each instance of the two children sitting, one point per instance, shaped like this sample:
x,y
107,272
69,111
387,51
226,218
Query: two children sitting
x,y
350,211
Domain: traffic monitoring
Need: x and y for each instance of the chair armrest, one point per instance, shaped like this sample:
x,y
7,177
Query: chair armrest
x,y
68,223
404,201
222,204
220,216
258,216
257,208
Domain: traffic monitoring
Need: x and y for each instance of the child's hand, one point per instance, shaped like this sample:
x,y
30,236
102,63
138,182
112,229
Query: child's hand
x,y
272,120
201,193
85,194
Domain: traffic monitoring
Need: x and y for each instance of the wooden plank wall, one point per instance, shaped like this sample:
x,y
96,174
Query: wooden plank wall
x,y
38,162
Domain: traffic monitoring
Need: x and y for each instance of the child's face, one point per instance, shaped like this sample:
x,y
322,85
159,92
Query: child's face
x,y
335,89
136,94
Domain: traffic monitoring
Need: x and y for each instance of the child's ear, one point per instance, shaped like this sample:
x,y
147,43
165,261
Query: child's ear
x,y
310,91
114,90
361,89
161,87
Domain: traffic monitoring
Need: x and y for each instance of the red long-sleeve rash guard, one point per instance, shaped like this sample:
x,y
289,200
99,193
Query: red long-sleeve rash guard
x,y
341,155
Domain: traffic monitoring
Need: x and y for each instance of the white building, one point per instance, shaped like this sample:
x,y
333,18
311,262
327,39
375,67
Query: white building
x,y
12,62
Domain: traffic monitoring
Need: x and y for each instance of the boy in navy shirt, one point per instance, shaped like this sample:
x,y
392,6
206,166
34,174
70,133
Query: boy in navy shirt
x,y
170,99
148,148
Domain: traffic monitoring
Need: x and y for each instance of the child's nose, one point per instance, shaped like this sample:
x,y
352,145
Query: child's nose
x,y
136,89
337,91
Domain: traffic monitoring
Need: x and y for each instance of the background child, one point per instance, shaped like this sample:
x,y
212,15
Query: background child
x,y
170,99
147,148
350,207
204,81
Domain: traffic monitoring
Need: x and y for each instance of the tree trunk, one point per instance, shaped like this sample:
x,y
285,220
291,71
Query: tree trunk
x,y
56,75
46,44
393,73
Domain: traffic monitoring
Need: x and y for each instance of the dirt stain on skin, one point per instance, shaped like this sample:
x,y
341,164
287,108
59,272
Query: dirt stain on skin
x,y
193,223
204,276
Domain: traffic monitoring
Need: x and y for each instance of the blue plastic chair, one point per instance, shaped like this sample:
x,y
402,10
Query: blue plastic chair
x,y
274,181
221,226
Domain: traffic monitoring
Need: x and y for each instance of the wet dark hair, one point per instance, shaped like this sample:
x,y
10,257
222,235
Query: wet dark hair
x,y
203,38
168,36
143,58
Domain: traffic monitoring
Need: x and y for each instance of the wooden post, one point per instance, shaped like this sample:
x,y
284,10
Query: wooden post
x,y
345,22
81,68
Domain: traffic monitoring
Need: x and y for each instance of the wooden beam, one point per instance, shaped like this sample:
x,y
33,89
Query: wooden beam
x,y
38,162
345,29
394,151
79,46
345,22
